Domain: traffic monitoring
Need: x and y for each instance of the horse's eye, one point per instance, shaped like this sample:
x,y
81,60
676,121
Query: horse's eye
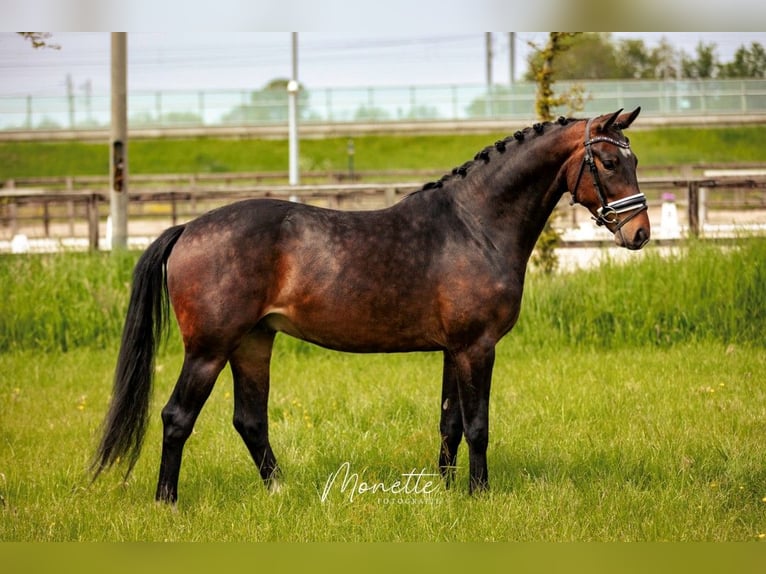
x,y
609,164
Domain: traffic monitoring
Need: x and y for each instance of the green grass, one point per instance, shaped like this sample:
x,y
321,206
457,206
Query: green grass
x,y
701,292
668,146
646,425
673,146
667,447
63,302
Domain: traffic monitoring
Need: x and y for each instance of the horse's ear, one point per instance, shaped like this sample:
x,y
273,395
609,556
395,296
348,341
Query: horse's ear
x,y
624,121
608,123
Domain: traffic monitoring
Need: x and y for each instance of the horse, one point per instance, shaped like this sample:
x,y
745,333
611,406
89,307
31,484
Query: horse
x,y
442,270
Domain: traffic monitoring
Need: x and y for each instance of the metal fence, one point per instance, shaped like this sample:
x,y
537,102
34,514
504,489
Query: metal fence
x,y
220,108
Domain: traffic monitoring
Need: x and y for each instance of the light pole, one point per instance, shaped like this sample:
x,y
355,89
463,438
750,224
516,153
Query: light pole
x,y
292,121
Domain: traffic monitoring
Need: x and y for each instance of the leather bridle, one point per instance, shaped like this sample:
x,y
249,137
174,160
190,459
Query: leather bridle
x,y
609,212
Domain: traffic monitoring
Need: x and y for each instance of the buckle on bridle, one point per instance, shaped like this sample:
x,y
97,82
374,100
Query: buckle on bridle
x,y
605,216
609,212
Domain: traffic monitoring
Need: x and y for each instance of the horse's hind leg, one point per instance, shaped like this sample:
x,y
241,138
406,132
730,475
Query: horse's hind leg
x,y
198,376
250,368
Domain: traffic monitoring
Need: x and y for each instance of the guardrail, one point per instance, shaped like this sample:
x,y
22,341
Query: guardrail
x,y
83,212
378,105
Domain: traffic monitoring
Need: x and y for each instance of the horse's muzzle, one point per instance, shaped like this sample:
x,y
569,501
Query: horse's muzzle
x,y
633,239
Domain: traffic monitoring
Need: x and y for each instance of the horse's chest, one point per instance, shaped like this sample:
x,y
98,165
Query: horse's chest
x,y
487,305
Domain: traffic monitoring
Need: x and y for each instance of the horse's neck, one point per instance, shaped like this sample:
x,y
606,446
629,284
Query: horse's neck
x,y
515,200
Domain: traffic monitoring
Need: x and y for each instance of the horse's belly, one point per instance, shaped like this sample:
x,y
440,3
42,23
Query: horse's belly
x,y
352,336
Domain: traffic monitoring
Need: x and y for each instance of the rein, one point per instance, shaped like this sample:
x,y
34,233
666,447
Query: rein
x,y
608,212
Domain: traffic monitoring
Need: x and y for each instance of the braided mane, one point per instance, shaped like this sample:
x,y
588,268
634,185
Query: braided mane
x,y
501,146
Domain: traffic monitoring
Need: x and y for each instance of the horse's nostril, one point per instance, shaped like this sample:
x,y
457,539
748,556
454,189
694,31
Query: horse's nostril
x,y
641,236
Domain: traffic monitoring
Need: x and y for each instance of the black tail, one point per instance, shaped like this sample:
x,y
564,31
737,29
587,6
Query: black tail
x,y
125,423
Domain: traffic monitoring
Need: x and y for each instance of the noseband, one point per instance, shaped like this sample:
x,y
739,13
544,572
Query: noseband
x,y
608,212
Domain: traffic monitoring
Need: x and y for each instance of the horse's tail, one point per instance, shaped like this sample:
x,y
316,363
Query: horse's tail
x,y
125,423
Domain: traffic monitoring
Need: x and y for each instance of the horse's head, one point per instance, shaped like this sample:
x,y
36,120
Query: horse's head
x,y
609,189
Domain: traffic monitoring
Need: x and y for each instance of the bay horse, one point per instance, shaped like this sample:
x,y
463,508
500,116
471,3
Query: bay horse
x,y
441,270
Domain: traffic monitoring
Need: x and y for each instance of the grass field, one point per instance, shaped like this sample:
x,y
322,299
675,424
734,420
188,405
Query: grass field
x,y
627,405
668,146
669,446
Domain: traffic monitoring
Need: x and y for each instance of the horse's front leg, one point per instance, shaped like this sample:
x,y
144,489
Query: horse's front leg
x,y
474,372
451,421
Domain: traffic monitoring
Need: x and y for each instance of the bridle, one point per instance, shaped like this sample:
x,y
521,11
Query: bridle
x,y
608,213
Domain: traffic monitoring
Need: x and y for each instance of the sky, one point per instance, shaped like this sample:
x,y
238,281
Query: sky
x,y
249,60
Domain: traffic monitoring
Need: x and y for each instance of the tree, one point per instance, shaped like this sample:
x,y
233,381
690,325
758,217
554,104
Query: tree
x,y
665,58
587,57
421,112
595,56
546,73
544,255
583,56
747,63
371,114
39,39
496,102
634,60
268,105
705,65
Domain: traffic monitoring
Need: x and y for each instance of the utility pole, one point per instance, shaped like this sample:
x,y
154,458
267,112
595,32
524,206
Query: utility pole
x,y
70,99
488,41
292,121
118,157
512,57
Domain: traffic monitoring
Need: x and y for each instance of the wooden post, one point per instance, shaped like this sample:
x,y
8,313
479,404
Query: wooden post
x,y
693,208
70,209
173,207
193,196
47,218
70,212
390,196
93,222
13,215
118,157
